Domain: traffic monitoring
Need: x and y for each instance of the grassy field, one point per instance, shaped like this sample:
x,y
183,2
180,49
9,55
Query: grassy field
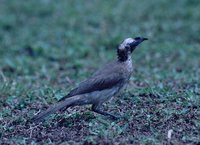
x,y
48,47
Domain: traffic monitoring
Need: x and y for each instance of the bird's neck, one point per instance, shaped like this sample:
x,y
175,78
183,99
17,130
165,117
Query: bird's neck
x,y
127,62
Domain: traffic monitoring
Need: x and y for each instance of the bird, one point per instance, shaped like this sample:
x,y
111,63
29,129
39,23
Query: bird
x,y
105,83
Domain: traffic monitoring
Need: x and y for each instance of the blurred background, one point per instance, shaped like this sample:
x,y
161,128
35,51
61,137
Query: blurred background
x,y
47,47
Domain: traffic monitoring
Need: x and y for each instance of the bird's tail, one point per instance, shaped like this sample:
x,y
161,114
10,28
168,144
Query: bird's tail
x,y
72,101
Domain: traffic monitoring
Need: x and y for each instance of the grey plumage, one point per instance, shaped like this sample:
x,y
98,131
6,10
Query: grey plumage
x,y
102,85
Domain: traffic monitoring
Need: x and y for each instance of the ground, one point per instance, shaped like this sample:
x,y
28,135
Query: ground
x,y
48,47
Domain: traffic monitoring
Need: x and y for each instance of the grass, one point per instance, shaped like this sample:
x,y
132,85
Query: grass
x,y
48,47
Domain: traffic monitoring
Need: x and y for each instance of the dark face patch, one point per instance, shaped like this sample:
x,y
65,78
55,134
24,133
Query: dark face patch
x,y
122,54
135,43
132,48
137,38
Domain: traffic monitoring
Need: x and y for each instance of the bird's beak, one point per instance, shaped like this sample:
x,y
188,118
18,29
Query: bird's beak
x,y
145,39
136,43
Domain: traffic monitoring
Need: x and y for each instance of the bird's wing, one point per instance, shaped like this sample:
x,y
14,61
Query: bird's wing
x,y
97,83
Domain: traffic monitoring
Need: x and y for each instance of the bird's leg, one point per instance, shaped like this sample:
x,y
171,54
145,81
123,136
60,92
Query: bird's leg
x,y
96,109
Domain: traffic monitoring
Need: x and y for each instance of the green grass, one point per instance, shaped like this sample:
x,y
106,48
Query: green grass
x,y
48,47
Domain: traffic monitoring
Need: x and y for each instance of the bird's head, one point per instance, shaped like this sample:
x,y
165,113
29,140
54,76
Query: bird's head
x,y
127,46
